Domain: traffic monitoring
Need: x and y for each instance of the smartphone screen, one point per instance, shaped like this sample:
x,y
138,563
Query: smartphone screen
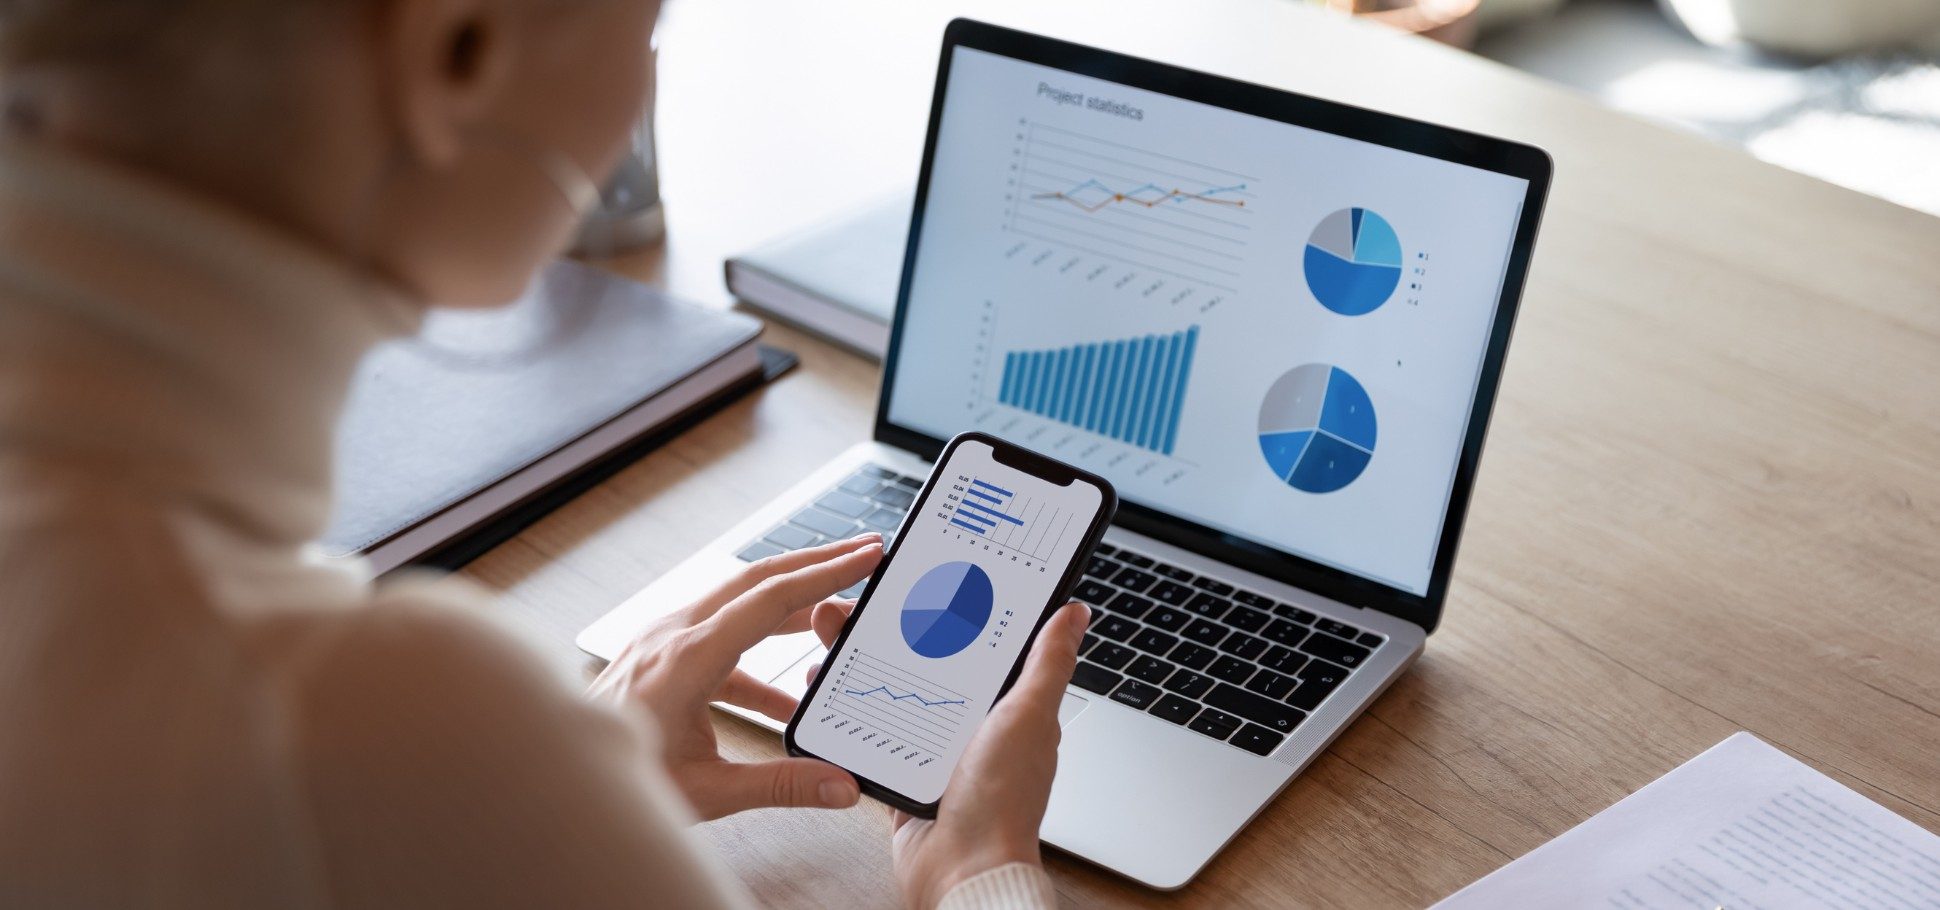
x,y
936,638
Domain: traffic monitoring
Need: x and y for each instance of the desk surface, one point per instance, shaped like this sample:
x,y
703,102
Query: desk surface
x,y
1710,500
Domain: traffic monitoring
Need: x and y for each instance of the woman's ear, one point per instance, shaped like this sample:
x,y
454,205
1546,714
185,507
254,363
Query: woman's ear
x,y
445,62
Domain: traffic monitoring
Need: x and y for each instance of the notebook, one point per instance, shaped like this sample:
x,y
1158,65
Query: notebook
x,y
487,412
836,280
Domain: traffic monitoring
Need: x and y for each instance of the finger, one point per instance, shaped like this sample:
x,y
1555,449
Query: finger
x,y
828,617
744,691
814,671
803,782
761,570
755,615
1048,668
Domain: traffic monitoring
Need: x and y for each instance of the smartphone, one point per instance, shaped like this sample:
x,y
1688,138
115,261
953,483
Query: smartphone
x,y
993,543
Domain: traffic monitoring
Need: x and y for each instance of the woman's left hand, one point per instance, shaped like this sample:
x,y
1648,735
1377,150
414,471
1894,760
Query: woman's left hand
x,y
686,660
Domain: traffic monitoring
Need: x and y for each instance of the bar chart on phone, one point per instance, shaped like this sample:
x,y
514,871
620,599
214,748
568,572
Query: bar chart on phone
x,y
1030,527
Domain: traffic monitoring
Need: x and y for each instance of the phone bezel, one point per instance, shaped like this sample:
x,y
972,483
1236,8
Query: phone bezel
x,y
1012,455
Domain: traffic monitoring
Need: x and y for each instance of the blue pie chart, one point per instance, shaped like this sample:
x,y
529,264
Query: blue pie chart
x,y
947,609
1317,428
1353,262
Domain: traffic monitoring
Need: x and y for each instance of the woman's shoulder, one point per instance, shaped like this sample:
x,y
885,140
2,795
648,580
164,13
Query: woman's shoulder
x,y
418,641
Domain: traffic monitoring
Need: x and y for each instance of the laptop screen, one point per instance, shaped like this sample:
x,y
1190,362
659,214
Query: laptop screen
x,y
1268,330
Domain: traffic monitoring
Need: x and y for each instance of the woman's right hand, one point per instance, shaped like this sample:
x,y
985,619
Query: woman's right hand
x,y
994,803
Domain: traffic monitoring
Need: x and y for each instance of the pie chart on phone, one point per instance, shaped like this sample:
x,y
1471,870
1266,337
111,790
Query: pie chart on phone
x,y
947,609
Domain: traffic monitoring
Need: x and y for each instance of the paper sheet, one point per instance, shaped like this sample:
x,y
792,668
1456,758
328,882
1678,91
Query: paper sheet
x,y
1742,827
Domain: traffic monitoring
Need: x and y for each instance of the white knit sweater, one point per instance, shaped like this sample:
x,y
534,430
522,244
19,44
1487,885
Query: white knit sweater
x,y
194,713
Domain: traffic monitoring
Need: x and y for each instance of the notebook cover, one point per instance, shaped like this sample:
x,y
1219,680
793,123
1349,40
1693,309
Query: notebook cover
x,y
852,265
477,396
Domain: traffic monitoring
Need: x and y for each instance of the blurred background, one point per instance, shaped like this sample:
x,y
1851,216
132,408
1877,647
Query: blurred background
x,y
1844,90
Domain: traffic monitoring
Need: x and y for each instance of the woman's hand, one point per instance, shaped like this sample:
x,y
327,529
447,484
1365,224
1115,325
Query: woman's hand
x,y
994,804
686,660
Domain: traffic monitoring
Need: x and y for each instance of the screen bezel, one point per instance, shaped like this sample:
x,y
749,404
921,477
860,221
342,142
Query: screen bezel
x,y
1456,146
1009,454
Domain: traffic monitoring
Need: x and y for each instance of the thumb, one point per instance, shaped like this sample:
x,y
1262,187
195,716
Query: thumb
x,y
1048,668
791,782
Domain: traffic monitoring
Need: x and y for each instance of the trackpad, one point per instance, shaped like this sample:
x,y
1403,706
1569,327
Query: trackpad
x,y
1070,708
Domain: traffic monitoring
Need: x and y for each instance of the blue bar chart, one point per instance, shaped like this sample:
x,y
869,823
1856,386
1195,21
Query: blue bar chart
x,y
1131,389
1033,528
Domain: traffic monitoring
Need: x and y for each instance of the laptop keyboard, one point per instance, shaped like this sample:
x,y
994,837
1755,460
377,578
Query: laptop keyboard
x,y
1221,661
1228,663
874,498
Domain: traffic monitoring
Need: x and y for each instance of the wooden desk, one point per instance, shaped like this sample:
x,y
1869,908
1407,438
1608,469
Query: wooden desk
x,y
1710,502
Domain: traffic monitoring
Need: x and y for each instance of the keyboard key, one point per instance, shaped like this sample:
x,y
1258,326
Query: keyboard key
x,y
1171,592
1347,654
1175,709
1243,646
883,519
876,470
789,537
1205,632
759,550
861,485
1337,628
1215,723
1137,694
1194,656
1094,592
1129,604
1173,572
1283,660
1253,600
1087,643
1231,669
1208,606
845,505
1152,669
833,527
1133,559
1189,684
1257,739
1270,684
1289,611
1370,639
1247,619
1214,585
1134,580
1263,711
1169,620
1112,656
1153,641
1100,567
907,482
1105,549
1116,628
1284,632
1318,681
895,497
1095,678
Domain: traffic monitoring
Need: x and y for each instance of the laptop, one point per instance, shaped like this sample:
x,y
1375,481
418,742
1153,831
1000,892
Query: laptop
x,y
1275,323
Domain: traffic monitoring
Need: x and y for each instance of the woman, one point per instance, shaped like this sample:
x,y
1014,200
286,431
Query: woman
x,y
209,209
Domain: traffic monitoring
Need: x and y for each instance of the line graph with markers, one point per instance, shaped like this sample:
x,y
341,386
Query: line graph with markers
x,y
1159,213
